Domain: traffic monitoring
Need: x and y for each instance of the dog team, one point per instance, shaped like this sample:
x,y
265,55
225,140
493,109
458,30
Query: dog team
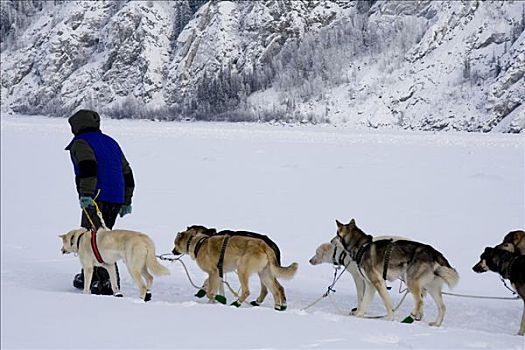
x,y
371,262
105,185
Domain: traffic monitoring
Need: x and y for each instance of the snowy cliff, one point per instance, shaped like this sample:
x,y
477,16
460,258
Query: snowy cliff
x,y
426,65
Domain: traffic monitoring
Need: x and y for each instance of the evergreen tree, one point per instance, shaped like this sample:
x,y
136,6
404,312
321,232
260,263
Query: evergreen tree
x,y
194,5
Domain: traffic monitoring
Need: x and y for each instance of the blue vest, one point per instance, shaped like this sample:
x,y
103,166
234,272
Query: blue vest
x,y
110,180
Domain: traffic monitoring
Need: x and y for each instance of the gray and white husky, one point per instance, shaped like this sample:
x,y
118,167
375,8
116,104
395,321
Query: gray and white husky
x,y
335,254
419,265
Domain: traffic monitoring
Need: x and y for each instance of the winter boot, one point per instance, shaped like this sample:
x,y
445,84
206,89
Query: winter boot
x,y
101,288
101,275
78,281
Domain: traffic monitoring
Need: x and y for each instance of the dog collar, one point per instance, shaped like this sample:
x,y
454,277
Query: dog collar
x,y
188,244
78,240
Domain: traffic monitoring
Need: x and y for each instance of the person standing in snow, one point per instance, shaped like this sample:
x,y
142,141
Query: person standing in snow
x,y
103,175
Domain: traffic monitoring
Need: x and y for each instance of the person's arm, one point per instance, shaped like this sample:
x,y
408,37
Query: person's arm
x,y
129,181
84,157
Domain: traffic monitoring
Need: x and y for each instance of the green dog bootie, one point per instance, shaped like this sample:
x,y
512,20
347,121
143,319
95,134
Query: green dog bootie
x,y
236,303
221,299
408,319
201,293
254,303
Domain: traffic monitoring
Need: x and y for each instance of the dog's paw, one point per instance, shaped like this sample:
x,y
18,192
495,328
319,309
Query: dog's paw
x,y
254,303
236,303
200,294
118,295
147,297
221,299
434,324
280,307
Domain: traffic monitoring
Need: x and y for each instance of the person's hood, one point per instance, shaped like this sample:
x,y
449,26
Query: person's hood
x,y
84,120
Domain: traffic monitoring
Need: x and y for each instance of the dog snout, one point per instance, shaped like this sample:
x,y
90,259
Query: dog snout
x,y
63,250
175,252
313,261
479,267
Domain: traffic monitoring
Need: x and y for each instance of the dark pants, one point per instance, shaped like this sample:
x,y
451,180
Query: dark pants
x,y
109,214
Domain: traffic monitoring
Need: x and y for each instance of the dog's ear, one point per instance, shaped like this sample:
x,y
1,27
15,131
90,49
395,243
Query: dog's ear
x,y
488,251
339,225
352,222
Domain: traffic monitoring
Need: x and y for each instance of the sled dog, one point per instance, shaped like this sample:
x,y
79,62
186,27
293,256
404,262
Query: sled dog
x,y
230,252
420,266
334,253
135,248
213,232
510,266
513,242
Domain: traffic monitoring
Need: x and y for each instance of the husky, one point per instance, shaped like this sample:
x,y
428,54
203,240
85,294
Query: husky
x,y
334,253
220,253
513,242
213,232
510,266
135,248
420,266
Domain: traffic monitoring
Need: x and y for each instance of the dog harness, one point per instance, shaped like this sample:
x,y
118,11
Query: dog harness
x,y
360,253
386,257
342,257
198,246
94,246
358,256
220,263
506,272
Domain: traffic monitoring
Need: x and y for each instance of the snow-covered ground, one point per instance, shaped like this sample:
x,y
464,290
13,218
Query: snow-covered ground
x,y
458,192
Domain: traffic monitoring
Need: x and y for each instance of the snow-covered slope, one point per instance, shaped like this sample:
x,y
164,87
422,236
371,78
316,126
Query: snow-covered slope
x,y
458,192
428,65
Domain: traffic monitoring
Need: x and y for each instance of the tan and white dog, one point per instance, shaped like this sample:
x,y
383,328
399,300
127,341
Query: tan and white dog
x,y
135,248
242,253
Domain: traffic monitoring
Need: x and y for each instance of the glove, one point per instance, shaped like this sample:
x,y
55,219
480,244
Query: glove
x,y
125,209
86,201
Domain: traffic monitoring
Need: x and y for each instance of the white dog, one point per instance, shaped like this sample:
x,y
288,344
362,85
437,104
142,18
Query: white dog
x,y
135,248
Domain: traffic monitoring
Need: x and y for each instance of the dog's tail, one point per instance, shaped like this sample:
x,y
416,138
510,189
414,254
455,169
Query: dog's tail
x,y
448,274
444,270
286,272
153,264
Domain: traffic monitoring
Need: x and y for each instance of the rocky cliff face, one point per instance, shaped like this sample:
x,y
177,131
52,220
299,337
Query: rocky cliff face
x,y
418,65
